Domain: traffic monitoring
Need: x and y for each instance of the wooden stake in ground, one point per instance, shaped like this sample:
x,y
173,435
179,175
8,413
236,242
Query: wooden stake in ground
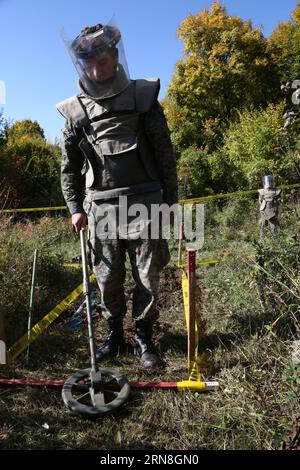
x,y
191,271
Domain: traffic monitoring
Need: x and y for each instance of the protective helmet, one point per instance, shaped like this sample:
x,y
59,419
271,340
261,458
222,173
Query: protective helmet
x,y
99,57
268,182
95,39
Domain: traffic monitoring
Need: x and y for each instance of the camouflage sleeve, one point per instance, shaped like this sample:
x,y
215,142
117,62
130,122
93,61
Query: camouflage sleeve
x,y
72,181
157,131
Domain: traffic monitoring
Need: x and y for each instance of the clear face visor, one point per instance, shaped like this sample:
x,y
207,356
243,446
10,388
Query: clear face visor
x,y
100,61
268,182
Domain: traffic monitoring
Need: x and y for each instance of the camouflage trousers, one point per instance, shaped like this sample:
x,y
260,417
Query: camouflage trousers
x,y
147,258
271,223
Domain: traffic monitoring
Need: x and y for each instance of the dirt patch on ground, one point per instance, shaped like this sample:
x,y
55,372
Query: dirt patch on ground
x,y
168,304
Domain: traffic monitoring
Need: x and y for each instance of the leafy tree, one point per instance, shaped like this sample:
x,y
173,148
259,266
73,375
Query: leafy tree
x,y
7,189
193,172
227,67
3,127
254,145
33,164
25,127
284,46
258,144
201,173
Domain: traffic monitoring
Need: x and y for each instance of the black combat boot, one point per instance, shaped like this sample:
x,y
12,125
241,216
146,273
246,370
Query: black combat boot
x,y
114,340
143,346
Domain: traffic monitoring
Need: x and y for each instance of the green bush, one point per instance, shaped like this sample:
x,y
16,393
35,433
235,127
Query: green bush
x,y
17,244
202,174
30,166
257,145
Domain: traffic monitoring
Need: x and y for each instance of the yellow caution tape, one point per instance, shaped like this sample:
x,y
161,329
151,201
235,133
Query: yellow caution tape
x,y
193,365
228,195
43,324
289,186
72,265
181,201
206,261
33,209
217,196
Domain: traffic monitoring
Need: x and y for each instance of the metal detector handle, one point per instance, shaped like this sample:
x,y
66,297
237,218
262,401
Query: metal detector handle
x,y
87,294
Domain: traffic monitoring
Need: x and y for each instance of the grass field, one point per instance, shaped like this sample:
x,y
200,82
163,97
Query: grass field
x,y
249,318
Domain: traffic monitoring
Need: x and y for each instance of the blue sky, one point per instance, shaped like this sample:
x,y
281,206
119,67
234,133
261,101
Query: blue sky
x,y
38,71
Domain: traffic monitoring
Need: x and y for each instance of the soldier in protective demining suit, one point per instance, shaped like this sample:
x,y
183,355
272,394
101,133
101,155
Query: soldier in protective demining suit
x,y
269,205
117,152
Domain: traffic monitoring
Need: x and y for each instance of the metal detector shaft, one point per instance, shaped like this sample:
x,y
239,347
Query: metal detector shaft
x,y
87,293
31,302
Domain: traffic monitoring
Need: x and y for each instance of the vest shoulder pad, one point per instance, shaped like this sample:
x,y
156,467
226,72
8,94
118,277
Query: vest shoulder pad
x,y
270,192
146,93
72,110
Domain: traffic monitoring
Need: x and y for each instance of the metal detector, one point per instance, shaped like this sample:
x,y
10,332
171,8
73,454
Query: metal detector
x,y
94,392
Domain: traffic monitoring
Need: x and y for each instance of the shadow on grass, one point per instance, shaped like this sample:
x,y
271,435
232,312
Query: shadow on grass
x,y
176,342
43,422
217,339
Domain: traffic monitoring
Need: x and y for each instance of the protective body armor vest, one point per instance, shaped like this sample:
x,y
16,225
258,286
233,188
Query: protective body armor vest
x,y
119,157
269,202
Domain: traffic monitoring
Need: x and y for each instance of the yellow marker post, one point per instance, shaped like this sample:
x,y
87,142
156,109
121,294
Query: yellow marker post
x,y
194,383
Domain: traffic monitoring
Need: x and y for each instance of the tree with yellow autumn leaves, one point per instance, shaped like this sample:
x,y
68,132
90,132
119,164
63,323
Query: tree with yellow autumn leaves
x,y
229,70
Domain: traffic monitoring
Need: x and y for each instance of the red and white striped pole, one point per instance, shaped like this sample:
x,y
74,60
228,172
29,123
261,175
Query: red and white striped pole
x,y
58,384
